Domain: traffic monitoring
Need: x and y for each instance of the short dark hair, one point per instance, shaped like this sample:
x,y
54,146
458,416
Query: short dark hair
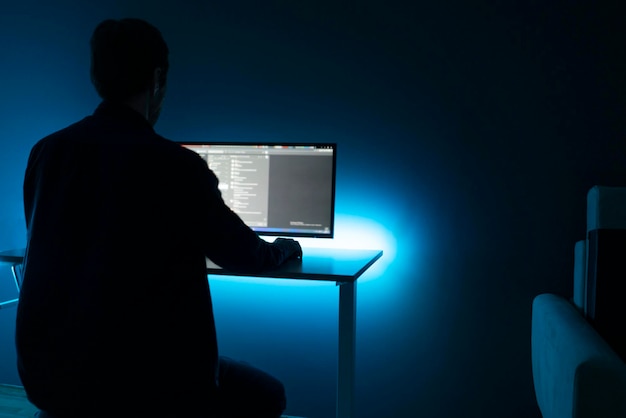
x,y
124,55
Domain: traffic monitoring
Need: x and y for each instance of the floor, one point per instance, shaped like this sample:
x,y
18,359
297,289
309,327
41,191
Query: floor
x,y
13,403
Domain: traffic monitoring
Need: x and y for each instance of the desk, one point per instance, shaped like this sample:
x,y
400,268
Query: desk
x,y
343,267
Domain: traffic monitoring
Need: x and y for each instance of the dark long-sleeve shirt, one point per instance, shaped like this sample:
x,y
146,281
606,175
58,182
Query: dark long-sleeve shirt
x,y
115,304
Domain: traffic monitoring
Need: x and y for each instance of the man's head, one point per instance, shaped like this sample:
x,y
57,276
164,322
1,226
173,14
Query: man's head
x,y
129,59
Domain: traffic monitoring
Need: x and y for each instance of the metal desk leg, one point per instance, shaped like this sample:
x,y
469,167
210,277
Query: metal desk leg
x,y
16,269
347,342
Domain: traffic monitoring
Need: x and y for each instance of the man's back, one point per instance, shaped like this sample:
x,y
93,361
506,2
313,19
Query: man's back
x,y
115,303
115,315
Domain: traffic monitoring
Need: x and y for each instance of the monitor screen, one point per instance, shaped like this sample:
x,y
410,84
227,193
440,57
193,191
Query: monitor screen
x,y
280,189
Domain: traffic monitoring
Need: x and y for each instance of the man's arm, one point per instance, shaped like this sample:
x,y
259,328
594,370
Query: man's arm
x,y
229,242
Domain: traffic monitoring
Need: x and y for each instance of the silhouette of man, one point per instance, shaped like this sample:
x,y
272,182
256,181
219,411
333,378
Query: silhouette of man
x,y
115,316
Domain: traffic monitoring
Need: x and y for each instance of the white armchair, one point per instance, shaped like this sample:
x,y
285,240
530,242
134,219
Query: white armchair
x,y
575,372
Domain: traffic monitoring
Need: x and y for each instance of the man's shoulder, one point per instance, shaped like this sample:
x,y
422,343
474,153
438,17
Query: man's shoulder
x,y
94,135
69,131
176,150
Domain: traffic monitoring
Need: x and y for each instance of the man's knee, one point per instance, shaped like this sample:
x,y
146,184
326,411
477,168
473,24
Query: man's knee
x,y
243,386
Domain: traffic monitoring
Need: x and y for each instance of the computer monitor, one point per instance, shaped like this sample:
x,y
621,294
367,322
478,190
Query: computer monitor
x,y
279,189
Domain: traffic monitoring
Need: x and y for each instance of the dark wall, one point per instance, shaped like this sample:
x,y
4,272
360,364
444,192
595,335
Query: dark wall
x,y
468,132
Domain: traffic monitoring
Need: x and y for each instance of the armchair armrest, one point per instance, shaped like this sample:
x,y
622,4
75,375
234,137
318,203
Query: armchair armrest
x,y
575,372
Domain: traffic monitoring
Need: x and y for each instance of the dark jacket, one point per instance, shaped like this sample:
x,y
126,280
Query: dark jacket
x,y
115,307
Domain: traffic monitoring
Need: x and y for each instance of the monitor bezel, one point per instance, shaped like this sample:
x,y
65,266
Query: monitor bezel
x,y
291,234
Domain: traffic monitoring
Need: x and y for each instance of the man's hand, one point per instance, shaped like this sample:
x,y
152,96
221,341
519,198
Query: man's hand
x,y
290,248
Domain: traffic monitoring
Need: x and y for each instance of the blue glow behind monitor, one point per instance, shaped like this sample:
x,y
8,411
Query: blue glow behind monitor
x,y
280,189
